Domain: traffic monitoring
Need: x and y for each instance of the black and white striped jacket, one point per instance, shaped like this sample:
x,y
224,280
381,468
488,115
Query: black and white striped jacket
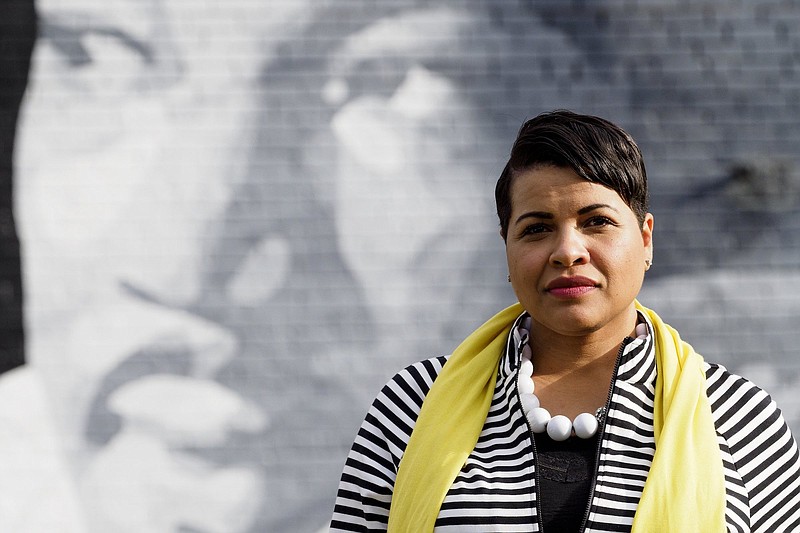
x,y
496,488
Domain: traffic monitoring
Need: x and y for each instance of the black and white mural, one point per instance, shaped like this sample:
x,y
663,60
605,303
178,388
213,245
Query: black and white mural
x,y
238,219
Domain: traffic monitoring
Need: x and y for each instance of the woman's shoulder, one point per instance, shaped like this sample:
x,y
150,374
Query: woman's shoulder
x,y
744,413
734,396
411,384
719,377
759,452
393,414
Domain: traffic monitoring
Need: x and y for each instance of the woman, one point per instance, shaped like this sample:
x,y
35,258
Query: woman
x,y
644,435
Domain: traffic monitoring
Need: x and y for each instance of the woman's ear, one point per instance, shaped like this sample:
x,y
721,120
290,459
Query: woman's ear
x,y
647,235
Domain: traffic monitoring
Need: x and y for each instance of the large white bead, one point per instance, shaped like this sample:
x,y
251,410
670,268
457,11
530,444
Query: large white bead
x,y
538,419
525,385
529,402
585,425
559,428
526,368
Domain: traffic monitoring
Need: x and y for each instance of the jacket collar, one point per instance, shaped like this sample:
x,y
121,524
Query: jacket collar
x,y
637,364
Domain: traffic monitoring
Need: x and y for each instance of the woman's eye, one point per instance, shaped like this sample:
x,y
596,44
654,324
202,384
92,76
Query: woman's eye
x,y
534,229
599,221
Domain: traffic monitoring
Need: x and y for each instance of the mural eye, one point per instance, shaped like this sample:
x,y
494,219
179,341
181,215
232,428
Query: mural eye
x,y
106,60
82,45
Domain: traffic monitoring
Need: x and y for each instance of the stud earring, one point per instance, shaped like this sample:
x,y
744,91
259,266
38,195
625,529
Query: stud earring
x,y
648,263
509,278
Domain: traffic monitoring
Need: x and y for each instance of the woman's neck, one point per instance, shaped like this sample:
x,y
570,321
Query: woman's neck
x,y
573,373
566,352
572,355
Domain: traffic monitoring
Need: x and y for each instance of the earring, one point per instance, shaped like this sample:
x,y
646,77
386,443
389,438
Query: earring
x,y
509,278
648,263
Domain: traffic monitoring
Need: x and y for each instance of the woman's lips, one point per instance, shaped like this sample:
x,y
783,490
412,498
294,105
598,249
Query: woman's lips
x,y
570,292
571,287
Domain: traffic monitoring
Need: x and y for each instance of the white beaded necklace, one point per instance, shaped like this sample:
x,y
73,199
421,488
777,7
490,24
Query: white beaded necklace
x,y
558,427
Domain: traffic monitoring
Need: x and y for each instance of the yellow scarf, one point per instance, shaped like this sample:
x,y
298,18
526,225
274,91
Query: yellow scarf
x,y
684,490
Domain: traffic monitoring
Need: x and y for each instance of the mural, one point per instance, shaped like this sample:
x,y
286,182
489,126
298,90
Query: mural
x,y
239,219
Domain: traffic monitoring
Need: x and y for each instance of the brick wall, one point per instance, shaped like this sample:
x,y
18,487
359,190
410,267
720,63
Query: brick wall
x,y
240,218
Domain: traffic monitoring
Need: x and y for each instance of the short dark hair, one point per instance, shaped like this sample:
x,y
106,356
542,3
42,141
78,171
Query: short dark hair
x,y
596,149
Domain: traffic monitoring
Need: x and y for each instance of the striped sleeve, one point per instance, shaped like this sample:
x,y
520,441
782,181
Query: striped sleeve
x,y
367,482
763,451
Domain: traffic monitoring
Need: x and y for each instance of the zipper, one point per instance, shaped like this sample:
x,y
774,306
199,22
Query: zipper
x,y
518,344
601,432
536,483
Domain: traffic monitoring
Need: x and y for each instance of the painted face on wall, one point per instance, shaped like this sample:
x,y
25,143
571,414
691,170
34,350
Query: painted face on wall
x,y
132,138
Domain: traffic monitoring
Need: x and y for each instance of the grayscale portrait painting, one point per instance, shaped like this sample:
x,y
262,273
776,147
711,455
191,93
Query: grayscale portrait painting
x,y
234,221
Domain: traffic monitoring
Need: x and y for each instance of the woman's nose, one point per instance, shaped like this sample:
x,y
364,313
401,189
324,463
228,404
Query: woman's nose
x,y
569,249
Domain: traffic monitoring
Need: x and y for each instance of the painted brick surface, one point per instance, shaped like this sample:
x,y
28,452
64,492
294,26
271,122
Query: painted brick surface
x,y
240,218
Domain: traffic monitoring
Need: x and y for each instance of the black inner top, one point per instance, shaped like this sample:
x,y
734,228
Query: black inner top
x,y
566,470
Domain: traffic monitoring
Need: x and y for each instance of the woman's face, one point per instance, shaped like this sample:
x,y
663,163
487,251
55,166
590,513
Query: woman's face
x,y
576,253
